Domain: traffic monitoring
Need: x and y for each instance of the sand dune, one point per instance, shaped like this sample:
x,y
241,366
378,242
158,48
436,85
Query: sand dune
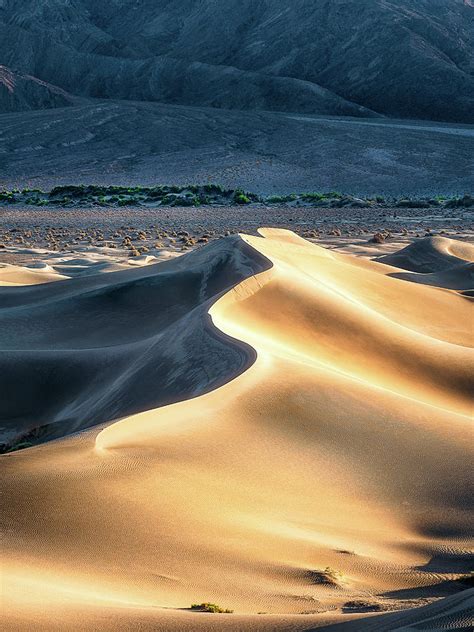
x,y
104,345
451,613
19,275
317,455
435,254
437,261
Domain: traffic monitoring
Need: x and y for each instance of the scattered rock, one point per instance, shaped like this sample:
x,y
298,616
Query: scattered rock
x,y
378,238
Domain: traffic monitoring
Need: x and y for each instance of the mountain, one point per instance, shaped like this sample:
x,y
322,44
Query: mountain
x,y
397,58
19,92
271,153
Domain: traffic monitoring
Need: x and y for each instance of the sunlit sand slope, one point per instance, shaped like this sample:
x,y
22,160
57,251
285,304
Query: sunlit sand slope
x,y
329,467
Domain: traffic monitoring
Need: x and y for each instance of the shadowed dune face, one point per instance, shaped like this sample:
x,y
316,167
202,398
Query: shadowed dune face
x,y
330,463
88,350
432,255
436,261
452,613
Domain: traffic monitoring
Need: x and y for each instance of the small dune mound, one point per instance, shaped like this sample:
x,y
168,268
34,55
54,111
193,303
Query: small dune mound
x,y
431,254
327,577
13,275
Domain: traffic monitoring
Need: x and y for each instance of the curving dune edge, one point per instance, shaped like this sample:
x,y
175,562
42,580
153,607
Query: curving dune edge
x,y
265,424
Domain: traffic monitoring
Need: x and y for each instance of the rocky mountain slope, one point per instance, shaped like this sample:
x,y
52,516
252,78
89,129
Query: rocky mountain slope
x,y
120,142
20,92
400,58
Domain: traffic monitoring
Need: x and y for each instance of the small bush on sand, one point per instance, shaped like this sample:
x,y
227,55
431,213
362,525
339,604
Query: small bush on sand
x,y
328,577
362,606
209,607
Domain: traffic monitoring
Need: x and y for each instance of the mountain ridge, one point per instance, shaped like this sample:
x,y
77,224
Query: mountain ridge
x,y
322,57
20,92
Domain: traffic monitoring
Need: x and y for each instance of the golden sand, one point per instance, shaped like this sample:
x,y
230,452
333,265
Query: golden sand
x,y
335,468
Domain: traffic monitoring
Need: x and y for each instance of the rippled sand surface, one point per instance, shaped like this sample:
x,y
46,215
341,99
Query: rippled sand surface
x,y
264,423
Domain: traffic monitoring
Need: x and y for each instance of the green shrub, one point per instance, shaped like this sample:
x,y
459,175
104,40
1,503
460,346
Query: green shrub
x,y
213,188
241,198
72,190
320,197
7,196
188,200
281,199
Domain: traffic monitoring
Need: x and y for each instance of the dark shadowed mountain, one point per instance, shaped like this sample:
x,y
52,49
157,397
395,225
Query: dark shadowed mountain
x,y
117,142
398,58
272,95
20,92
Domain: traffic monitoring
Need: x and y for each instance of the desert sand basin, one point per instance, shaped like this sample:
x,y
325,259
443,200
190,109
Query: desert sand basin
x,y
318,462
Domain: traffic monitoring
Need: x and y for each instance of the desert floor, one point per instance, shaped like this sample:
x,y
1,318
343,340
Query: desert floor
x,y
276,421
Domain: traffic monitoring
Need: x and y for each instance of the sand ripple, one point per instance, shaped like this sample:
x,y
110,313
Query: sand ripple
x,y
313,457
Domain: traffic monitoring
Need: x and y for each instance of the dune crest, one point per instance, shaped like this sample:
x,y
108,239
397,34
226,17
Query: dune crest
x,y
99,347
321,455
433,254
